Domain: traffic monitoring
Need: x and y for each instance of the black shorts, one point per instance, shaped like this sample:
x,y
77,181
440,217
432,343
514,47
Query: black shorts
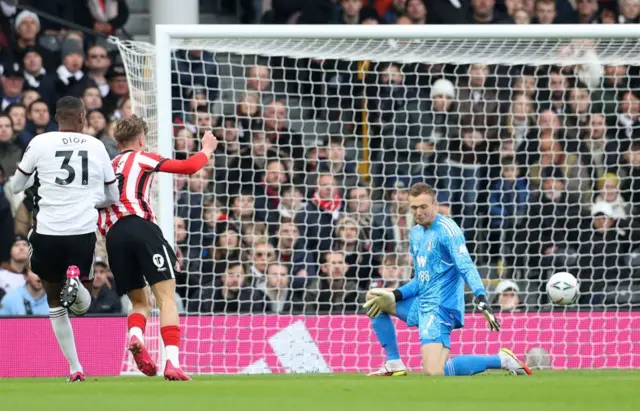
x,y
51,255
139,254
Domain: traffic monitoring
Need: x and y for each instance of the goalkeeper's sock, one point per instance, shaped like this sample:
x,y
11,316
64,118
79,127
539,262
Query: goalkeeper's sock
x,y
471,364
171,339
386,333
136,323
64,334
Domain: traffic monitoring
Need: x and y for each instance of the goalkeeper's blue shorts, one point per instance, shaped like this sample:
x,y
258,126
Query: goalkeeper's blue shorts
x,y
434,326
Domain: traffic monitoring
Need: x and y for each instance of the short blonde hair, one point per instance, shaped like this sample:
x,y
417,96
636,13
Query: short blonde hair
x,y
127,129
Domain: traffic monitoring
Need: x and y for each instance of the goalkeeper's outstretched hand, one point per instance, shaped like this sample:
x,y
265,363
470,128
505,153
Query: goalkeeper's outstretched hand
x,y
483,306
382,301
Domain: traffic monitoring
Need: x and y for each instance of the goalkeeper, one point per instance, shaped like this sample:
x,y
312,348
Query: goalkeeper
x,y
434,300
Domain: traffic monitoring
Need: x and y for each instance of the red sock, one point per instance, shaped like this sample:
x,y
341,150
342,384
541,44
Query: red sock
x,y
136,320
170,335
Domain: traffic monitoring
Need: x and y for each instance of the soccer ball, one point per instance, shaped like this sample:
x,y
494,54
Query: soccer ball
x,y
562,288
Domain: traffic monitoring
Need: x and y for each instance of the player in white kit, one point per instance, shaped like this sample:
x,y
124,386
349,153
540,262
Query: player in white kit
x,y
72,175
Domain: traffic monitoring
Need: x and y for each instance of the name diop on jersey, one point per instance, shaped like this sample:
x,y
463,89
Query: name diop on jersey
x,y
74,140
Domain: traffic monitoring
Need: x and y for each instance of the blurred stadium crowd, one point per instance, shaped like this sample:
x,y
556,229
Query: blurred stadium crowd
x,y
540,165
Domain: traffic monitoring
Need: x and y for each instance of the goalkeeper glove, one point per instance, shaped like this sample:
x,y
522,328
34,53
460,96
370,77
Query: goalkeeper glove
x,y
382,302
483,306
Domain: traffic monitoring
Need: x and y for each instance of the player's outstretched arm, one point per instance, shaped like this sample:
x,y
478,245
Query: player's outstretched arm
x,y
193,163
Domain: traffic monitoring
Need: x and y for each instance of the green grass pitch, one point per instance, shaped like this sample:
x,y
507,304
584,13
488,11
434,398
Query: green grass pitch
x,y
545,391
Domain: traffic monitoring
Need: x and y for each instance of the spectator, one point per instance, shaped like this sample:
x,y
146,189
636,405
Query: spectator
x,y
609,194
416,11
478,103
587,12
465,172
91,98
95,119
231,297
629,12
97,65
18,114
512,6
594,151
275,289
27,30
351,11
262,255
71,80
124,109
549,233
103,16
398,210
193,68
331,292
545,12
104,299
351,241
10,153
39,121
255,157
29,95
268,194
291,203
29,299
508,200
6,228
554,93
225,250
285,239
12,84
249,111
226,164
11,272
629,173
118,88
36,77
522,17
390,272
483,12
395,10
283,139
184,143
604,249
375,226
316,223
507,297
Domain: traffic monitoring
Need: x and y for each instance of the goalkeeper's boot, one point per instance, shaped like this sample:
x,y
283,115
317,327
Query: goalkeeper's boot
x,y
512,363
71,286
172,373
142,358
76,377
390,369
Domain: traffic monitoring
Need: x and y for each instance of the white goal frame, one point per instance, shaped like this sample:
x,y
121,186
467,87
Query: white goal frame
x,y
165,33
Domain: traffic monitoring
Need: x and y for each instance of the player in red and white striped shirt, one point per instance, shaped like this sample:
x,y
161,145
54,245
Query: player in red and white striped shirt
x,y
138,252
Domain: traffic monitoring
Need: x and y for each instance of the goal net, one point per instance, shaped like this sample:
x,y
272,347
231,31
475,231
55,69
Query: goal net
x,y
529,136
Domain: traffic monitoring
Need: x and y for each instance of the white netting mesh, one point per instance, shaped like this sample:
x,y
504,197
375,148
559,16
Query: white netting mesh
x,y
533,147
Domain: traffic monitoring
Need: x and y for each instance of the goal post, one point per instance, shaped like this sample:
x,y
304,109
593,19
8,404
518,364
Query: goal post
x,y
528,97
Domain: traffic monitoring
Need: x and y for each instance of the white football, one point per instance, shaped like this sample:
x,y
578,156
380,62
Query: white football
x,y
563,288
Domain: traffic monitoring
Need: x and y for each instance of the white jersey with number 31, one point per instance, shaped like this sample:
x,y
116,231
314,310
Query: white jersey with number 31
x,y
69,173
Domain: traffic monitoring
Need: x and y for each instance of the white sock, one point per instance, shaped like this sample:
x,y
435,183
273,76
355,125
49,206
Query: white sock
x,y
83,301
136,332
172,352
64,334
396,364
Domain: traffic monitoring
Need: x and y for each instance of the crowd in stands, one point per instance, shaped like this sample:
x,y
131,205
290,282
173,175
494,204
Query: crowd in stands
x,y
540,165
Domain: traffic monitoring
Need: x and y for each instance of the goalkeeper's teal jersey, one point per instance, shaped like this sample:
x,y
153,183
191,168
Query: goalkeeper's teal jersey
x,y
442,266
